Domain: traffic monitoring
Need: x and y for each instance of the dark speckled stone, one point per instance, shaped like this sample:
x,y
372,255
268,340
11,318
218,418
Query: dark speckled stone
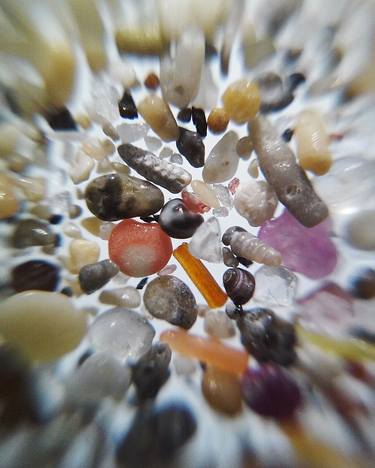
x,y
118,196
151,371
95,275
155,437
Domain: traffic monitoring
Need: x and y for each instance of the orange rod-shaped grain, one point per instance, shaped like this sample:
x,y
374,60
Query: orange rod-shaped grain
x,y
207,350
200,276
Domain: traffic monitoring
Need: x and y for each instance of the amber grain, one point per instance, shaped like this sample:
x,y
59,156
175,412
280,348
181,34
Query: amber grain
x,y
200,276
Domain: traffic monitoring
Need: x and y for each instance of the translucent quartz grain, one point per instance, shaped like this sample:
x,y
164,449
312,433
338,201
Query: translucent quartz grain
x,y
83,252
154,169
70,229
205,194
244,244
312,142
256,201
99,376
206,241
351,349
217,324
180,84
360,230
275,286
278,164
224,195
122,333
241,100
222,391
200,276
349,186
130,132
159,117
42,325
218,120
98,149
206,350
81,167
91,224
222,162
139,249
127,296
153,143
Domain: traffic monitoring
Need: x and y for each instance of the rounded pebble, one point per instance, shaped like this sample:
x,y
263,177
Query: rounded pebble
x,y
9,205
159,117
42,325
217,324
218,120
222,391
244,147
117,196
152,81
139,249
95,275
30,232
35,274
363,285
360,230
83,252
241,100
199,120
122,333
168,298
177,221
127,296
222,162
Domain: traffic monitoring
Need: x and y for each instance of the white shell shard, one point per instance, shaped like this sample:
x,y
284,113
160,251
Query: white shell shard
x,y
132,132
127,296
256,201
222,162
206,241
122,333
180,76
244,244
